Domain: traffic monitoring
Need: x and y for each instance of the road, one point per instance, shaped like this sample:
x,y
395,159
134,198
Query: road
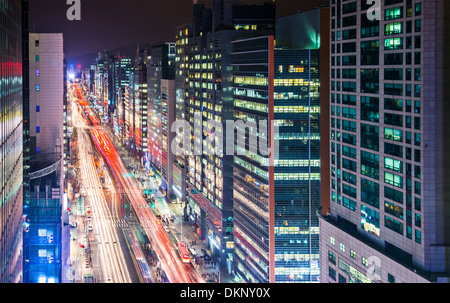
x,y
103,240
169,260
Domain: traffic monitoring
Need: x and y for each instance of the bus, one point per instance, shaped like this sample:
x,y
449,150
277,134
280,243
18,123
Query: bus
x,y
184,253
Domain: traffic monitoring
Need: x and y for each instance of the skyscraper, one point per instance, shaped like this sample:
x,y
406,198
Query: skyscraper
x,y
46,232
208,101
183,33
276,195
389,137
140,103
121,80
11,138
161,65
167,119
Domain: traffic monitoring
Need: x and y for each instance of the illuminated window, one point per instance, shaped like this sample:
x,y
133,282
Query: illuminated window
x,y
296,69
393,210
364,261
393,179
393,134
370,220
393,28
394,13
393,164
394,43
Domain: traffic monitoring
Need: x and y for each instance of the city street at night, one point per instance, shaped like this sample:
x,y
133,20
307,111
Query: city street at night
x,y
223,150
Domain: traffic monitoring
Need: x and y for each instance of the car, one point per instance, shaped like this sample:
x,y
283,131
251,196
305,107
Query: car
x,y
73,224
90,228
89,218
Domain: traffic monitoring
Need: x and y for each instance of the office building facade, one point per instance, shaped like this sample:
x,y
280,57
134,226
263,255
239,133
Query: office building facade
x,y
389,80
121,79
11,139
140,100
161,65
167,120
45,233
209,104
183,33
276,195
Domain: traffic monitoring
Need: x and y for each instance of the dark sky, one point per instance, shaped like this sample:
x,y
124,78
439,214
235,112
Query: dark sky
x,y
107,24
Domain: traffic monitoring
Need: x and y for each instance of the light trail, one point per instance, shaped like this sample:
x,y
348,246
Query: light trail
x,y
171,264
111,256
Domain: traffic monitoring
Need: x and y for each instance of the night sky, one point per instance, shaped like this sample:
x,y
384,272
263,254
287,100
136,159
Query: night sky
x,y
108,24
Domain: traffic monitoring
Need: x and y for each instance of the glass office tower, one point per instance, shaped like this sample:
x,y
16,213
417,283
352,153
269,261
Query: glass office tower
x,y
276,207
209,102
275,204
11,140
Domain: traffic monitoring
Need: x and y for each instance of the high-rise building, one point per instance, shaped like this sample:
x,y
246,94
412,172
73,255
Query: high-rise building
x,y
161,65
108,76
387,216
222,11
128,122
122,73
140,103
183,32
100,83
11,138
91,79
47,230
167,120
208,102
276,195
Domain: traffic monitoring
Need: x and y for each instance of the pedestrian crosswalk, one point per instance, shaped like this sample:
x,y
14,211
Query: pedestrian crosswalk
x,y
115,222
118,223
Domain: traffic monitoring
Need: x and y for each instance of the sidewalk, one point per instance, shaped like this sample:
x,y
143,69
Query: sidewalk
x,y
185,233
81,264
